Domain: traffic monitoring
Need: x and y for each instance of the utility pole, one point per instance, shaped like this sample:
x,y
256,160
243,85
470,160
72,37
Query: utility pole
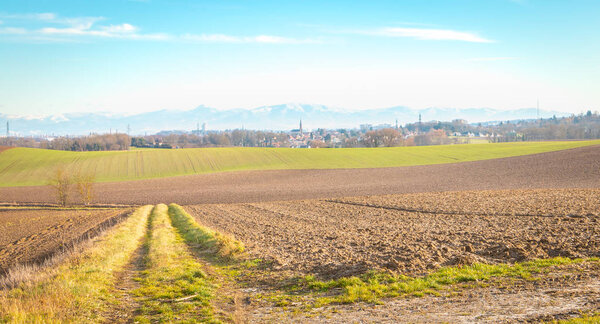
x,y
419,130
198,129
128,129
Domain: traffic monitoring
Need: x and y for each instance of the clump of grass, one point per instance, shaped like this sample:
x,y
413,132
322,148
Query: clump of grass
x,y
173,287
223,245
584,319
372,286
80,289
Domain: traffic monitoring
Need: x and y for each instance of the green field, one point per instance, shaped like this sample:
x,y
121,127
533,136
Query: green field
x,y
26,166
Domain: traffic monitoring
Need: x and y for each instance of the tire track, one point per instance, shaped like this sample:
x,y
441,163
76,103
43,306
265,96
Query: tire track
x,y
449,213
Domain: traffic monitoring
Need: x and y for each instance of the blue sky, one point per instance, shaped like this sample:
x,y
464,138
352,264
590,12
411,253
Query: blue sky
x,y
133,56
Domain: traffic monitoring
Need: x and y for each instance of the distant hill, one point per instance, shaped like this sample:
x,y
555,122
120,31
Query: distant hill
x,y
279,117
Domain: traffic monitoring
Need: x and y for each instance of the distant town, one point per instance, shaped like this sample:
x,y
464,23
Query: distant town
x,y
458,131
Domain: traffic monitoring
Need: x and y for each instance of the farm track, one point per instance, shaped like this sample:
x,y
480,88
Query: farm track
x,y
335,239
573,168
350,236
31,236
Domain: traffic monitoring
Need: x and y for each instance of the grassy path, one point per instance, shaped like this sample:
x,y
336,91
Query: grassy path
x,y
140,271
28,167
173,288
216,251
79,290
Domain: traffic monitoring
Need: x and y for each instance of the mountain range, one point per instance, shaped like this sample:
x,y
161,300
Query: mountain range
x,y
277,117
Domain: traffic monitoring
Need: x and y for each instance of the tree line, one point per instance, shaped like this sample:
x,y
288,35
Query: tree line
x,y
237,137
104,142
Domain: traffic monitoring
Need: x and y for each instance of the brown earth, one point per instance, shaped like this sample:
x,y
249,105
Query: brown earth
x,y
574,168
335,239
541,202
4,148
30,236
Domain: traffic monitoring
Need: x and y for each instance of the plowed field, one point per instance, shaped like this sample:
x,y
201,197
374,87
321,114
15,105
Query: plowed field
x,y
28,236
413,233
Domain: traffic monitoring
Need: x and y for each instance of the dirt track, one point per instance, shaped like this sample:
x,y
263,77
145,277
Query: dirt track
x,y
336,239
28,236
575,168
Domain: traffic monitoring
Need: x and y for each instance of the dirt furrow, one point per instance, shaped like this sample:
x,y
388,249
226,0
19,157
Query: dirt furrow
x,y
448,213
334,240
36,243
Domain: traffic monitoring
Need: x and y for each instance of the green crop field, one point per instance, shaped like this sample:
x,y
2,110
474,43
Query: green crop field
x,y
26,166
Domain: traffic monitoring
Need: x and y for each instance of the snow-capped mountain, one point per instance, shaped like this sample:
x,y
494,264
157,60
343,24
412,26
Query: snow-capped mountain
x,y
278,117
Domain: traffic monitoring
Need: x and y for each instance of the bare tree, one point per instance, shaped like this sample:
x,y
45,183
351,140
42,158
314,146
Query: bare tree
x,y
61,182
85,187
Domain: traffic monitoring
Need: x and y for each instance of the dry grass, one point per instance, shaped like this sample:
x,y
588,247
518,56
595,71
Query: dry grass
x,y
80,289
30,273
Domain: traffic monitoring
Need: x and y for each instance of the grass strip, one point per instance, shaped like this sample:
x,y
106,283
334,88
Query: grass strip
x,y
372,286
173,287
584,319
224,246
80,289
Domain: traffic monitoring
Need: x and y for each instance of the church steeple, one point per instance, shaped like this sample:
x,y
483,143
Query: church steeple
x,y
301,127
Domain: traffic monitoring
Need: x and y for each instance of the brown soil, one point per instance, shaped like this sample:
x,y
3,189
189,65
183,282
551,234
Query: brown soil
x,y
575,168
4,148
335,239
541,202
30,236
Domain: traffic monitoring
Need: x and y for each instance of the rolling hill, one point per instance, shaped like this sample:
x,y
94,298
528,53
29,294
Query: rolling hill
x,y
27,167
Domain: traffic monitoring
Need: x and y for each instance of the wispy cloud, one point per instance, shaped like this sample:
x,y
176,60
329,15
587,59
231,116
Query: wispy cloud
x,y
65,28
426,34
126,31
72,28
266,39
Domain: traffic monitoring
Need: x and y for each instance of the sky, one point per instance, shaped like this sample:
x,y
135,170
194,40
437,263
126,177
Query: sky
x,y
125,56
